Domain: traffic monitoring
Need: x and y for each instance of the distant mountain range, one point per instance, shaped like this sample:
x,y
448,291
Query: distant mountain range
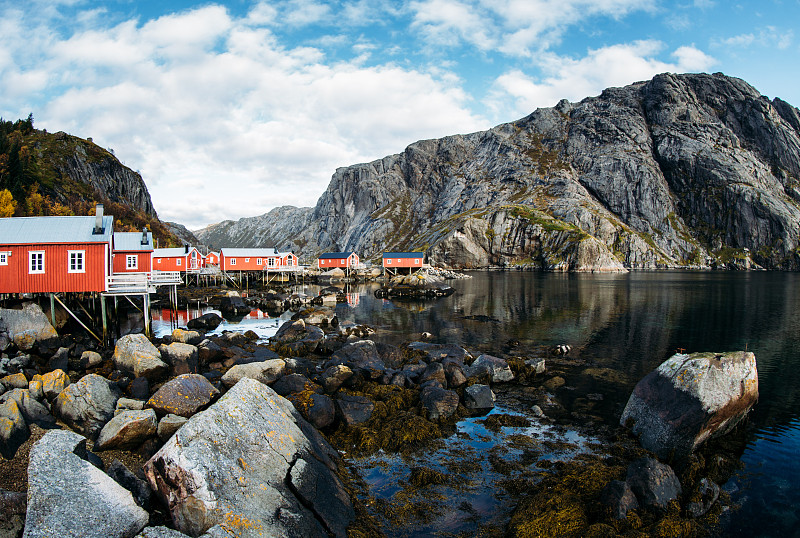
x,y
691,170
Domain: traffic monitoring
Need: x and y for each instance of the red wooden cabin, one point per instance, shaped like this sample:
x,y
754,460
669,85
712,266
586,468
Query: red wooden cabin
x,y
181,259
256,259
342,260
55,254
212,258
132,252
403,261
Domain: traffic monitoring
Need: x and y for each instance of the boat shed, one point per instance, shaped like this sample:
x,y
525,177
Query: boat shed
x,y
183,259
342,260
133,252
55,254
212,258
255,259
402,262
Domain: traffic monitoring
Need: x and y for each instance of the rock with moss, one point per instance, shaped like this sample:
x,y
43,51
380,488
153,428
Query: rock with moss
x,y
246,466
87,405
689,399
127,430
27,326
296,339
136,355
184,396
13,428
266,372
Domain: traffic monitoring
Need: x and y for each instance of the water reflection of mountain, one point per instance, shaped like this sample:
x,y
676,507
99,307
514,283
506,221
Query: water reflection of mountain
x,y
629,322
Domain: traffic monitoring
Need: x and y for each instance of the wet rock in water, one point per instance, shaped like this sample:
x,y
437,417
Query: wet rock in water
x,y
689,399
183,358
168,425
13,428
185,395
455,375
68,496
362,355
438,402
354,409
295,338
536,365
124,477
433,372
206,322
186,337
27,327
537,411
707,494
13,505
654,483
479,397
280,480
233,306
265,372
322,317
561,349
554,383
135,355
87,405
127,430
619,498
496,368
439,352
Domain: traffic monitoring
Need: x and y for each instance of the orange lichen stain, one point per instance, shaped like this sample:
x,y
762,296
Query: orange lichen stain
x,y
236,521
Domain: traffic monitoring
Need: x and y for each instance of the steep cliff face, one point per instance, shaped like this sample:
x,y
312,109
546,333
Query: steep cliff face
x,y
72,159
683,170
274,229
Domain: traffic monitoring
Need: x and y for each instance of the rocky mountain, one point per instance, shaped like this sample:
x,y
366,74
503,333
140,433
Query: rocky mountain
x,y
181,232
691,170
60,174
274,229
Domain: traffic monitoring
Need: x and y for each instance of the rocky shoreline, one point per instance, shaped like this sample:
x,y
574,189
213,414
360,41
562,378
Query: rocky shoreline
x,y
204,435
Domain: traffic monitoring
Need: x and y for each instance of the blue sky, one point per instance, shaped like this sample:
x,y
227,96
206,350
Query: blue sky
x,y
229,109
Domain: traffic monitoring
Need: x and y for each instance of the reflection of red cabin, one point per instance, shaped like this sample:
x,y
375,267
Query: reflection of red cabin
x,y
55,254
342,260
132,252
212,258
256,259
182,259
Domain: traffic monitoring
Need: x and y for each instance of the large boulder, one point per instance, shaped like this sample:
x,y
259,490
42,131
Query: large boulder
x,y
495,368
654,483
13,428
691,398
87,405
186,337
136,355
247,466
27,327
68,496
33,411
206,322
184,396
362,354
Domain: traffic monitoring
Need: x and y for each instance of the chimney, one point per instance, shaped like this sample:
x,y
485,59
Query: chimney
x,y
186,246
144,236
98,220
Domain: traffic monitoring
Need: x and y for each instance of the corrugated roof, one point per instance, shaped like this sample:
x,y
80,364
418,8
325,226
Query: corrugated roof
x,y
336,255
132,241
403,254
170,252
249,252
25,230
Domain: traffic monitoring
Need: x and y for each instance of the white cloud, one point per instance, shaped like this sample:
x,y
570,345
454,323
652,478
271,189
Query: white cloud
x,y
767,37
573,79
221,119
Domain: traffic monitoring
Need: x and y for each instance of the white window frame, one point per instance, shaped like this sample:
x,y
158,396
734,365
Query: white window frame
x,y
79,259
247,260
290,260
416,261
158,260
388,261
178,262
233,261
129,258
4,258
270,262
259,261
31,255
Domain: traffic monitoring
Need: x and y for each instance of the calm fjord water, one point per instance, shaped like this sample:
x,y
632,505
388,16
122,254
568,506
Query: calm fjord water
x,y
631,323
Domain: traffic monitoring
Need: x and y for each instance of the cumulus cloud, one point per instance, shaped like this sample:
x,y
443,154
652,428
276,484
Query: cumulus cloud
x,y
768,37
220,118
574,79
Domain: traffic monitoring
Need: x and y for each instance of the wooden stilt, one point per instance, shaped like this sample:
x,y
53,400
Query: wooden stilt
x,y
77,318
146,312
103,315
53,310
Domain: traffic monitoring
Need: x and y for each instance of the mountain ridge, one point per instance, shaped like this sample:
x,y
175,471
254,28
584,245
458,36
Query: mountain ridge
x,y
691,170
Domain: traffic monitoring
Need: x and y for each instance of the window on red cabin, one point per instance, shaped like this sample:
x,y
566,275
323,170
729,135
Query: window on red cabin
x,y
4,258
36,262
178,262
271,262
233,261
131,261
75,263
